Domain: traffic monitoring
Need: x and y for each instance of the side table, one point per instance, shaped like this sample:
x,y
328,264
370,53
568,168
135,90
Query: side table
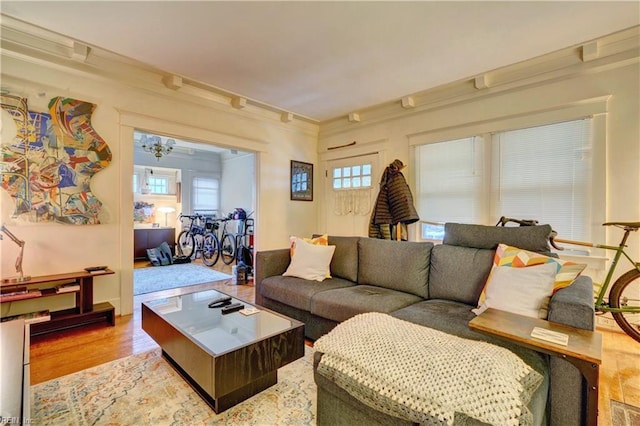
x,y
584,349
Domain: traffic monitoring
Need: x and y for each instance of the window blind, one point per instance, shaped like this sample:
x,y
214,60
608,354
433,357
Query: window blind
x,y
541,173
205,193
544,173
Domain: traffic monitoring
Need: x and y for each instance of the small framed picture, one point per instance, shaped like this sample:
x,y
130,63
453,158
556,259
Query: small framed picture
x,y
301,181
155,225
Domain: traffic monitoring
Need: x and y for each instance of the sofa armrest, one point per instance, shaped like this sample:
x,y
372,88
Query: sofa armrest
x,y
573,305
269,263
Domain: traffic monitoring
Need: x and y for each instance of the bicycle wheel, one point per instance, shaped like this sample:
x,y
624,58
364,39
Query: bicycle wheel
x,y
186,243
625,294
228,248
210,249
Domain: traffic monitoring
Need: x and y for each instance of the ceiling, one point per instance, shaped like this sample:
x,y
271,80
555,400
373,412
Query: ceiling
x,y
325,59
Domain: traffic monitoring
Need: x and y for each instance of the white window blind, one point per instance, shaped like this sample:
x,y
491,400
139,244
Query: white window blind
x,y
541,173
451,180
544,173
205,193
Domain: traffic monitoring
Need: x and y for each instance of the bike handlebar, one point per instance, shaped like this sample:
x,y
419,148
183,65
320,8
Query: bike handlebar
x,y
522,222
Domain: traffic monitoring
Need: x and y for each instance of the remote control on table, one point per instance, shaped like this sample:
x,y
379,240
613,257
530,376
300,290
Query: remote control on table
x,y
232,308
95,268
220,302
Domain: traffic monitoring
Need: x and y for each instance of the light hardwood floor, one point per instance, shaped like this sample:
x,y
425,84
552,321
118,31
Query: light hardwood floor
x,y
77,349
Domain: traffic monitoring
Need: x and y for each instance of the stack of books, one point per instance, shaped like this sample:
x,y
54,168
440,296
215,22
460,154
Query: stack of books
x,y
68,288
30,317
18,293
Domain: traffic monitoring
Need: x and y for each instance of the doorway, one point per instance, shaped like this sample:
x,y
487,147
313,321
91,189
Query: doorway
x,y
189,178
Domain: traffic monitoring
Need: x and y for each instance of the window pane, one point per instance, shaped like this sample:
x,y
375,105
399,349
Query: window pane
x,y
450,181
356,183
541,173
366,181
355,170
346,171
158,185
337,172
366,169
346,183
337,183
205,193
544,173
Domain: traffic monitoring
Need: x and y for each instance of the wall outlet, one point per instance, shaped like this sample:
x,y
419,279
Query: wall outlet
x,y
607,322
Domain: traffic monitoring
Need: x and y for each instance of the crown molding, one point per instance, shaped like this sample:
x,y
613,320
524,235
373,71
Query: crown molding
x,y
36,45
608,52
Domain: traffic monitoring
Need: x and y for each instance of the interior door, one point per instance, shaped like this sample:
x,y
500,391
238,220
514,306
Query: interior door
x,y
351,188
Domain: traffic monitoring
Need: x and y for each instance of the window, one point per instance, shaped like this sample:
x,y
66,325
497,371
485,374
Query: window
x,y
541,173
354,176
135,183
158,185
205,193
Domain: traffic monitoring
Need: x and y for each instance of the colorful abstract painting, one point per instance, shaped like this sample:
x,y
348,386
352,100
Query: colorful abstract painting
x,y
144,212
47,167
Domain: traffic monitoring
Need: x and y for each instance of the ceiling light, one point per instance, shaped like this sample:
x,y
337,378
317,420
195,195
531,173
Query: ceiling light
x,y
153,144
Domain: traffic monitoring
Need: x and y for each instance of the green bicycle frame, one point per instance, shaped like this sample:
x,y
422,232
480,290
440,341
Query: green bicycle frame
x,y
600,305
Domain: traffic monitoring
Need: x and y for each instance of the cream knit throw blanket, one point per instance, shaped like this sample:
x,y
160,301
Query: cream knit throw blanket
x,y
425,375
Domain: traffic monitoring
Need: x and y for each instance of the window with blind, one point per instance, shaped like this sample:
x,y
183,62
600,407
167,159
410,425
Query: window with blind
x,y
541,173
205,195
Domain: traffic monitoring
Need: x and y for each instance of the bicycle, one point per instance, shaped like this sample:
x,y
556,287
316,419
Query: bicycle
x,y
227,242
198,238
624,298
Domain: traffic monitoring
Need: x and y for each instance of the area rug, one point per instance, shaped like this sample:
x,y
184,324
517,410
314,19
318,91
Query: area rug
x,y
144,389
156,278
624,414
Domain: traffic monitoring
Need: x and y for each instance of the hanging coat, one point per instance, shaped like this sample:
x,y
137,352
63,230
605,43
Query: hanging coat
x,y
394,204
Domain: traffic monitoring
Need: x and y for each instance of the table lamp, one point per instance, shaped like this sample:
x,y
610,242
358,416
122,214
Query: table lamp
x,y
21,277
166,211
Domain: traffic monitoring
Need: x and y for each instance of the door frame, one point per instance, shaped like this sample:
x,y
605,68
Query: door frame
x,y
375,147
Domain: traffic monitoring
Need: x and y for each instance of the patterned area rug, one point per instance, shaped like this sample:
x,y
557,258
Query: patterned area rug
x,y
156,278
144,389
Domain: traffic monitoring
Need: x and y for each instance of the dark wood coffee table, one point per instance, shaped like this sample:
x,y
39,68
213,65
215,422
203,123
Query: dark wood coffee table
x,y
225,358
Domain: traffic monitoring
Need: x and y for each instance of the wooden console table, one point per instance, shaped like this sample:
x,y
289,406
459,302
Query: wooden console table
x,y
584,349
84,312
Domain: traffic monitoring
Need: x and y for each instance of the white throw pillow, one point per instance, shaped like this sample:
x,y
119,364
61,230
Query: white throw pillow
x,y
310,261
524,291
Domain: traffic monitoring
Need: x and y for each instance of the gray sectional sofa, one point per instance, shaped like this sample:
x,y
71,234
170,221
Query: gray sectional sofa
x,y
434,286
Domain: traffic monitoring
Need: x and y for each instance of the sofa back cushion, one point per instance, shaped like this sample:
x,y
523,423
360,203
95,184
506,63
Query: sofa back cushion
x,y
344,263
532,238
459,273
397,265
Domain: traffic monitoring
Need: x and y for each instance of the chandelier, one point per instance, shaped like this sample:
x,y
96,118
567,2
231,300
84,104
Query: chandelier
x,y
153,144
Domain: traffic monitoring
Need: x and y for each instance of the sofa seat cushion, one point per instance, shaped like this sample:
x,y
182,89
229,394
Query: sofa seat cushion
x,y
297,292
343,303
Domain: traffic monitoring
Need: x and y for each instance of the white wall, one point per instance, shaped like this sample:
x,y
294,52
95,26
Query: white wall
x,y
237,183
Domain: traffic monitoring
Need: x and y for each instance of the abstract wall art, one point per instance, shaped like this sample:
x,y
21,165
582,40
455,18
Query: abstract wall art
x,y
47,167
